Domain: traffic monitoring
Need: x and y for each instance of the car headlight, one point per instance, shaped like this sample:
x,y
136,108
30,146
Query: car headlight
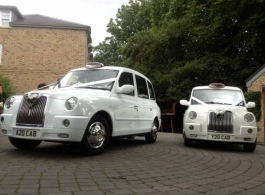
x,y
192,115
71,103
249,117
9,102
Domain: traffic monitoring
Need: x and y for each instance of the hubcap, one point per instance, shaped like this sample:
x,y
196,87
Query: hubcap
x,y
154,130
96,135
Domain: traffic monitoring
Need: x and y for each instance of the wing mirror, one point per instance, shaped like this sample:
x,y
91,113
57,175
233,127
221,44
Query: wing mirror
x,y
125,89
184,102
250,105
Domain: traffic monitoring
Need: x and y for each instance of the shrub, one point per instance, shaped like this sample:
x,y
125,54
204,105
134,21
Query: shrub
x,y
254,96
8,89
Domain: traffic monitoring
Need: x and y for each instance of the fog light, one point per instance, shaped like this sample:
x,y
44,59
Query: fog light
x,y
250,130
63,135
66,122
247,139
2,119
191,127
193,135
4,131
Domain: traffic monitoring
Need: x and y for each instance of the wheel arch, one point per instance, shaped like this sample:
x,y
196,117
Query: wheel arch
x,y
107,116
159,125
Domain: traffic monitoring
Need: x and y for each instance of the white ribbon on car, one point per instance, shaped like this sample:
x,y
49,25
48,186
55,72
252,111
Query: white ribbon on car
x,y
234,104
204,104
199,101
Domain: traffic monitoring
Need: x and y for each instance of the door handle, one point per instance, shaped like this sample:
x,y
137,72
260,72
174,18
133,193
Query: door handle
x,y
136,107
151,109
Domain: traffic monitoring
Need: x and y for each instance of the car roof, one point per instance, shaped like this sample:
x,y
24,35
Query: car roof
x,y
104,67
115,68
226,87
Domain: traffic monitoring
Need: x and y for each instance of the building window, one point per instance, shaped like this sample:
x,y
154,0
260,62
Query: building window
x,y
0,53
5,18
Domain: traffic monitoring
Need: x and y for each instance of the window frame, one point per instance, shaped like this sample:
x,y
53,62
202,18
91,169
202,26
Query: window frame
x,y
4,19
131,81
144,96
151,91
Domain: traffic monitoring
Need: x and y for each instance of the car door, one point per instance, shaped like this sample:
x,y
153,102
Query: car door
x,y
145,110
126,115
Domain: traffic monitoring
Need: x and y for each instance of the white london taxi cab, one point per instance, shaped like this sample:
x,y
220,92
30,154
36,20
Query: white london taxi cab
x,y
219,113
89,105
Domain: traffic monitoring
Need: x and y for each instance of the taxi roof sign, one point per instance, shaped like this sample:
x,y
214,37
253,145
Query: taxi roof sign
x,y
94,65
216,85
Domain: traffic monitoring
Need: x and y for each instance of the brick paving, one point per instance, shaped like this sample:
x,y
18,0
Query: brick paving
x,y
130,167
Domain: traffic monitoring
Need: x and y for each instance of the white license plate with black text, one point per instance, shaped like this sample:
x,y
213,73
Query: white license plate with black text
x,y
220,137
26,133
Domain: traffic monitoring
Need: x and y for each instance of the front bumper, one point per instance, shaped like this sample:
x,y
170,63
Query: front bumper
x,y
52,130
240,136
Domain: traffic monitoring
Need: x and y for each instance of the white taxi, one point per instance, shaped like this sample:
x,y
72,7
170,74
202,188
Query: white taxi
x,y
89,105
219,113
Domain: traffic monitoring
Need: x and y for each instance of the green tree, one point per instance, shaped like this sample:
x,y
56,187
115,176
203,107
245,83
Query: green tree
x,y
186,43
130,19
207,41
8,89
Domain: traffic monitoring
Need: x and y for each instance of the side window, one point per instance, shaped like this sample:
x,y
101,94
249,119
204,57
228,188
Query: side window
x,y
142,90
151,91
126,78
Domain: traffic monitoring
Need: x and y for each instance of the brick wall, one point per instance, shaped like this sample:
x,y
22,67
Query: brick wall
x,y
32,56
257,86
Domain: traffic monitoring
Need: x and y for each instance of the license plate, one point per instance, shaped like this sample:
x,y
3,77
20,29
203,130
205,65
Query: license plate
x,y
26,133
220,137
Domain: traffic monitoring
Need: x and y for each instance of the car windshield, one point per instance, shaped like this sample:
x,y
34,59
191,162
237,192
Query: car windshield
x,y
90,78
217,96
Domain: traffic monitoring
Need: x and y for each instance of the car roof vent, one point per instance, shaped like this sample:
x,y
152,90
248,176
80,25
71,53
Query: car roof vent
x,y
94,65
216,85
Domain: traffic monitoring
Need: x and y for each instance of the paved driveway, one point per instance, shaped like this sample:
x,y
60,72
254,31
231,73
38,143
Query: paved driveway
x,y
133,167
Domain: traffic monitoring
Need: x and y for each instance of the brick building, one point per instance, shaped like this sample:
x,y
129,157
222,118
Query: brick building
x,y
38,49
256,82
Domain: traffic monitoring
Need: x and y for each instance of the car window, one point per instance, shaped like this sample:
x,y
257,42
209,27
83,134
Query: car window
x,y
142,90
151,91
81,77
126,78
218,96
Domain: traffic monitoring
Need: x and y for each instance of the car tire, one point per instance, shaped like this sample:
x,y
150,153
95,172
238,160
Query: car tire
x,y
250,147
24,143
152,136
187,142
96,137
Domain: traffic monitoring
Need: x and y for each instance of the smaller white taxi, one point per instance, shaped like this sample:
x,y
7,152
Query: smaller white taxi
x,y
89,105
219,113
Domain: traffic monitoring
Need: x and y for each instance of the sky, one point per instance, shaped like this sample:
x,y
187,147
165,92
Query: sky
x,y
93,13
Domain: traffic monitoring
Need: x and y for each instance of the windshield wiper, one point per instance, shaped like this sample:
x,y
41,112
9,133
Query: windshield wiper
x,y
217,103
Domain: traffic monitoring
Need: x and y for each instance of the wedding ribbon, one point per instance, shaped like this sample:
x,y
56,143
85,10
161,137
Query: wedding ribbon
x,y
204,104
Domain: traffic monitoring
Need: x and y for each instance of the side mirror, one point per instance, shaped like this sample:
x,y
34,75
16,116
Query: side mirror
x,y
184,102
250,105
125,89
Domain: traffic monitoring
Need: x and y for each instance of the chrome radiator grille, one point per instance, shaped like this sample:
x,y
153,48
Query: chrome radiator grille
x,y
33,116
223,125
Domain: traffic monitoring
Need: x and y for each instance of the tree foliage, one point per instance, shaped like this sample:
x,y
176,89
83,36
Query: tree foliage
x,y
180,44
129,20
254,96
8,89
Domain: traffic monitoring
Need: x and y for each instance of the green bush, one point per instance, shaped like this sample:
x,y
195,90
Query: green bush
x,y
8,89
254,96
